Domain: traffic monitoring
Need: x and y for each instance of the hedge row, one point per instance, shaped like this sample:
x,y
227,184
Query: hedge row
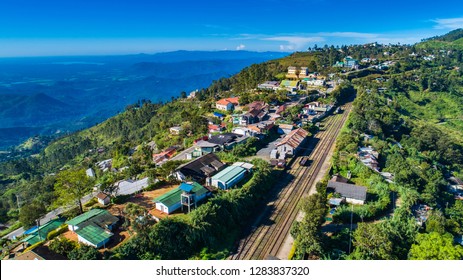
x,y
54,233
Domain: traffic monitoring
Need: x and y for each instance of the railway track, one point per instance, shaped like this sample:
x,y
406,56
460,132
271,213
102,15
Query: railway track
x,y
279,214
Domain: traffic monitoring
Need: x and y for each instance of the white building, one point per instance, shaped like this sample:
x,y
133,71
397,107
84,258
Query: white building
x,y
90,173
272,85
103,198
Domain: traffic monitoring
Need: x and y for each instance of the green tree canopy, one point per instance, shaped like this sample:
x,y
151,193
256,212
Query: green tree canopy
x,y
372,243
71,186
435,246
29,213
84,252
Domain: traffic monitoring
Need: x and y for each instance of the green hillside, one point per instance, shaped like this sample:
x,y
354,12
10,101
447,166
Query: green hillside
x,y
451,40
408,100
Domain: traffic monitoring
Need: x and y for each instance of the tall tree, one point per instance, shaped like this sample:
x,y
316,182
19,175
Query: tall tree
x,y
372,242
71,186
307,234
29,213
435,246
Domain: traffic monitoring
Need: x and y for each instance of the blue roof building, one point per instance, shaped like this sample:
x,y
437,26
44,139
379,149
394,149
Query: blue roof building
x,y
218,115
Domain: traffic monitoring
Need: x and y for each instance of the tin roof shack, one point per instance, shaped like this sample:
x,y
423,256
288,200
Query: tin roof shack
x,y
352,193
164,156
421,213
369,157
103,198
285,128
94,227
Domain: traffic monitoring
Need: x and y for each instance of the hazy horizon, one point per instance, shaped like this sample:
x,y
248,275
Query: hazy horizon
x,y
102,27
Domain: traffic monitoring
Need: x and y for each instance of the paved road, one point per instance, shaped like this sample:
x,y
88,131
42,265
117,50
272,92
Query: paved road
x,y
182,154
264,153
48,217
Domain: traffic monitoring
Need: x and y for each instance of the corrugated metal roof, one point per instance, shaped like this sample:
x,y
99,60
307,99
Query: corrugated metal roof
x,y
87,216
294,138
169,198
245,165
84,217
44,230
129,187
94,234
186,187
194,168
229,173
173,197
349,190
288,83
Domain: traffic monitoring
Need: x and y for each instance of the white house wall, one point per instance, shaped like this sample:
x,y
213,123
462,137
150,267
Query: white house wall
x,y
354,201
169,209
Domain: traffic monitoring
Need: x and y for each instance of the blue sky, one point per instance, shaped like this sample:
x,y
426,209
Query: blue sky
x,y
80,27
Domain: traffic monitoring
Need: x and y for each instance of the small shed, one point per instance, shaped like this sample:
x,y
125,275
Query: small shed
x,y
90,173
103,198
336,201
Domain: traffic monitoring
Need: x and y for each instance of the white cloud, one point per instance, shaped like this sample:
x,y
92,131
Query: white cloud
x,y
402,40
448,23
240,47
357,35
294,42
286,48
295,39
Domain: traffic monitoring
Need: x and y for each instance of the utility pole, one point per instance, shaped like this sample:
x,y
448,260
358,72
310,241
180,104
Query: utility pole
x,y
350,233
38,229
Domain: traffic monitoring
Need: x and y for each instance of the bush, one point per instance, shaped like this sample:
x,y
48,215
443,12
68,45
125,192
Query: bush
x,y
38,244
84,252
120,199
155,186
71,213
62,246
54,233
91,202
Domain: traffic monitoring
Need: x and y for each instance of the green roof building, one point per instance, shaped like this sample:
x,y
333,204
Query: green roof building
x,y
94,235
40,233
93,227
228,177
187,194
290,85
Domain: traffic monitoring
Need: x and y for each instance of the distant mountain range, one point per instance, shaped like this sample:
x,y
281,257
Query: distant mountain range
x,y
49,95
18,109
